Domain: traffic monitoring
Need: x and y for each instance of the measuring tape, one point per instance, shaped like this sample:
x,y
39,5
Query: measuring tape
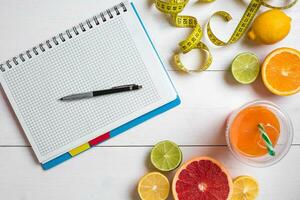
x,y
193,41
244,23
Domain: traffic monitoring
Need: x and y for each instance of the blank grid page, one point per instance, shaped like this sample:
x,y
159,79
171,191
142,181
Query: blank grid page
x,y
102,57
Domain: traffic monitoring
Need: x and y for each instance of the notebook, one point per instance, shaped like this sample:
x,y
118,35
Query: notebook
x,y
111,48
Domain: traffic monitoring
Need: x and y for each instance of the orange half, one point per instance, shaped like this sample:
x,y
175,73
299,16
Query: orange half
x,y
281,71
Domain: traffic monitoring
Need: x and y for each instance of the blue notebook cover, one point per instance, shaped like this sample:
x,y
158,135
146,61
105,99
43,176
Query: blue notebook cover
x,y
66,156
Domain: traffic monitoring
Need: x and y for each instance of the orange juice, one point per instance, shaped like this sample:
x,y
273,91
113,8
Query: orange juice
x,y
244,133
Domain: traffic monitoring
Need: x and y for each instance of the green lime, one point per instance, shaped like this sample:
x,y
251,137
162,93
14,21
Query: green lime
x,y
166,156
245,67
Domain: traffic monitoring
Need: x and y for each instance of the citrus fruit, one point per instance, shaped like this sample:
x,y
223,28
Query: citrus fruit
x,y
166,156
270,27
245,188
245,68
281,71
202,178
154,186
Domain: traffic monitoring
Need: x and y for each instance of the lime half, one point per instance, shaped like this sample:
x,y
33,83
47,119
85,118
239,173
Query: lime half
x,y
245,68
166,156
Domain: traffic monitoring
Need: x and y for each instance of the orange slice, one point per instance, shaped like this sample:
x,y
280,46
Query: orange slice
x,y
281,71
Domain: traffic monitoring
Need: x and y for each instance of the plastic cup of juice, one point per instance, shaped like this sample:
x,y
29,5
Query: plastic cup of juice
x,y
245,140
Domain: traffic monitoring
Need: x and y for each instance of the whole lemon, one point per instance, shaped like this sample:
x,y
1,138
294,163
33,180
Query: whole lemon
x,y
270,27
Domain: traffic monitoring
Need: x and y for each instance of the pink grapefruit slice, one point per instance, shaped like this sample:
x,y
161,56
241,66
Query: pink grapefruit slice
x,y
202,178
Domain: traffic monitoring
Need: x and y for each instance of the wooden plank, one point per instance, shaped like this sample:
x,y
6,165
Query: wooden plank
x,y
207,100
113,173
27,23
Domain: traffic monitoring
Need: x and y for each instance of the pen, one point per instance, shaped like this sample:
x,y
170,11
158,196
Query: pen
x,y
113,90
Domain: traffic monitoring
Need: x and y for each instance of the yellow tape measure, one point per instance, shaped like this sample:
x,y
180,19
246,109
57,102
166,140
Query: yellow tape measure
x,y
244,23
193,41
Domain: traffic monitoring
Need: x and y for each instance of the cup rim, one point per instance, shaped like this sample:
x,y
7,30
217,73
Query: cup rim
x,y
246,160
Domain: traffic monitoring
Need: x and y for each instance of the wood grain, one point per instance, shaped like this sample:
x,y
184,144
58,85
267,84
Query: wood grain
x,y
111,171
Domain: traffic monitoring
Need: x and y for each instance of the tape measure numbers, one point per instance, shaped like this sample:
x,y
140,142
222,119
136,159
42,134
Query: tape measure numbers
x,y
193,41
244,23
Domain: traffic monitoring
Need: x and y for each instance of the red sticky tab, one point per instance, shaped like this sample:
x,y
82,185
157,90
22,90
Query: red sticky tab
x,y
99,139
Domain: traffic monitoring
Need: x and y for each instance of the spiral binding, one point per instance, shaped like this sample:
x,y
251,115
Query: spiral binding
x,y
64,36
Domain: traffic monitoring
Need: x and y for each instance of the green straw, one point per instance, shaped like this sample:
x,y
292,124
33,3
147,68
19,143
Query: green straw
x,y
267,140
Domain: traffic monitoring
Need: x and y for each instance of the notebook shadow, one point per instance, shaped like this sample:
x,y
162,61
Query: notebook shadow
x,y
14,117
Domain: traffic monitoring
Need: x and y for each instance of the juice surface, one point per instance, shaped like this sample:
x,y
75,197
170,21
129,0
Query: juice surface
x,y
244,133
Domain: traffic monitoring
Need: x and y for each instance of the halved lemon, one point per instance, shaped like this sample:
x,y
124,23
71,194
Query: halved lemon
x,y
245,188
281,71
154,186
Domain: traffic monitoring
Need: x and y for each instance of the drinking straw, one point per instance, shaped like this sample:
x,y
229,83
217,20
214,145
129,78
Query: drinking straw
x,y
267,140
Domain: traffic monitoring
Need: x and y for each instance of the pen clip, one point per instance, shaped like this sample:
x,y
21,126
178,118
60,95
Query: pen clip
x,y
123,86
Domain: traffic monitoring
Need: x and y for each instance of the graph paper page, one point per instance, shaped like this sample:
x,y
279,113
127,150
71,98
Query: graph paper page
x,y
113,53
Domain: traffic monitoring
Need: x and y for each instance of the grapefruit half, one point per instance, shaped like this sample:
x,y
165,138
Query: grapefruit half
x,y
202,178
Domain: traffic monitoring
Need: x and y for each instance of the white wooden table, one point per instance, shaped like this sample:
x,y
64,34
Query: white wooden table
x,y
111,171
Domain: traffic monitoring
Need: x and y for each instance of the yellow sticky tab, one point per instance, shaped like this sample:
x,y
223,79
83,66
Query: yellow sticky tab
x,y
79,149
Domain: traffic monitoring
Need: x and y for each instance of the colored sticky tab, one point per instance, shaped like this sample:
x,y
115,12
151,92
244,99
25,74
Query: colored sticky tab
x,y
56,161
79,149
99,139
